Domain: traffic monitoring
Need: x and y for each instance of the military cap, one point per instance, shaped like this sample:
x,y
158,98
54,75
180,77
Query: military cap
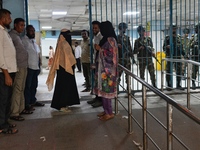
x,y
123,25
140,28
186,31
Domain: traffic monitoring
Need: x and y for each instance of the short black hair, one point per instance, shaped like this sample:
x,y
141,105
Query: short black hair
x,y
3,12
96,22
29,26
85,31
17,20
76,42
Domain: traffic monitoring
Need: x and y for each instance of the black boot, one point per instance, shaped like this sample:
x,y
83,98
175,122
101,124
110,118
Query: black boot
x,y
178,86
193,85
169,86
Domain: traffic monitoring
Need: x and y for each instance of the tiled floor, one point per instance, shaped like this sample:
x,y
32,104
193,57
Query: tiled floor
x,y
49,129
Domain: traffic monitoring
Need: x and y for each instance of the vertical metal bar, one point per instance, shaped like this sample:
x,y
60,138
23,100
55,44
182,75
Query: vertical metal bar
x,y
144,116
162,74
101,9
188,85
171,40
91,49
95,9
169,127
26,12
106,10
111,11
129,105
1,4
116,106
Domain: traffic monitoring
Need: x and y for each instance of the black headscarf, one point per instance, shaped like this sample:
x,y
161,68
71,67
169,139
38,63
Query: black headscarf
x,y
67,36
107,30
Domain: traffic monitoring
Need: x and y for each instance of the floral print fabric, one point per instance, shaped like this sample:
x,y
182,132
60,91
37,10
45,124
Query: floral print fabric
x,y
106,70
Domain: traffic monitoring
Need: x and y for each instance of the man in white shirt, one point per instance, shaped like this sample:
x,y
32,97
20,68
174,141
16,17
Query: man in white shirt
x,y
96,102
8,68
78,56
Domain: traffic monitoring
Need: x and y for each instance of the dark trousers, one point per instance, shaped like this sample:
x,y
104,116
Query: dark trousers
x,y
31,87
5,100
87,74
78,63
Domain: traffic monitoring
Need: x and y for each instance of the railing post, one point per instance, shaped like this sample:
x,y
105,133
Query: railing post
x,y
188,85
169,126
144,115
162,74
116,106
129,105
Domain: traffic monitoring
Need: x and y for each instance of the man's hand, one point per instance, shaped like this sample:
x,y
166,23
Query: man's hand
x,y
8,80
168,46
97,47
141,47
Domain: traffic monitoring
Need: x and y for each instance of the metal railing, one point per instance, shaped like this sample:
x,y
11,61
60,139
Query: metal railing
x,y
170,104
189,63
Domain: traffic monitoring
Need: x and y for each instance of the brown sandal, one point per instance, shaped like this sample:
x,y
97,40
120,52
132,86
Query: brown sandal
x,y
101,114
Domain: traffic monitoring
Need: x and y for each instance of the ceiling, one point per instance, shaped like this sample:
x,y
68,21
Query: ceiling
x,y
185,12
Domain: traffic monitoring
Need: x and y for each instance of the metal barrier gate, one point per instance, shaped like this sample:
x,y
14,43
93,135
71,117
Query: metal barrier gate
x,y
158,18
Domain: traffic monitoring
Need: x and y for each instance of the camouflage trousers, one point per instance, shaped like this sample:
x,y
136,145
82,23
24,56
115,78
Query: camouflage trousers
x,y
143,63
178,69
195,69
126,64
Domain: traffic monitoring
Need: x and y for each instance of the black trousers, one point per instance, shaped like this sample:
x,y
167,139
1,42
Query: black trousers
x,y
5,100
78,63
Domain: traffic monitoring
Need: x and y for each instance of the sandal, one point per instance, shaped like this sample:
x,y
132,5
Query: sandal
x,y
12,125
9,131
38,104
26,112
101,114
17,118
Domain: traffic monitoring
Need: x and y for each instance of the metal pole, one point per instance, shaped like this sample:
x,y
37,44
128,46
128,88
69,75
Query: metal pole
x,y
169,127
1,4
144,116
188,85
129,105
171,42
162,74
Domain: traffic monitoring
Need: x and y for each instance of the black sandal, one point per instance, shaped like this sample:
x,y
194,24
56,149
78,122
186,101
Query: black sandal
x,y
38,104
9,131
17,118
26,112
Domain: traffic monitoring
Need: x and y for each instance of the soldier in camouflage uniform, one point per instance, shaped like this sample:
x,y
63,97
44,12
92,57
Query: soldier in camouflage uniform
x,y
143,47
194,46
176,53
125,52
185,42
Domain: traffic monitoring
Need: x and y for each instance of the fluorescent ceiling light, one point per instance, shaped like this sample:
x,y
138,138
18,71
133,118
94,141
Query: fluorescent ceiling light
x,y
46,27
131,13
59,13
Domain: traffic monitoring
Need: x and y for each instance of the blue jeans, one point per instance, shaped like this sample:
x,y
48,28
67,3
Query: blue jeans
x,y
31,87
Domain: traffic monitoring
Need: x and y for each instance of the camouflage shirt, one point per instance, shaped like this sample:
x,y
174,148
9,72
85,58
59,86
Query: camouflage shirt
x,y
144,53
177,46
194,47
126,51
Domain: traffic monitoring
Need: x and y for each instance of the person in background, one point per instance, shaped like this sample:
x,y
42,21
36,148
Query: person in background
x,y
34,63
174,52
143,47
8,68
51,55
78,56
185,42
18,102
85,59
106,69
96,102
195,55
65,92
125,51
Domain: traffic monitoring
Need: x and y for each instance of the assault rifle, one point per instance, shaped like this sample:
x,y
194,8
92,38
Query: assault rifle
x,y
148,49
